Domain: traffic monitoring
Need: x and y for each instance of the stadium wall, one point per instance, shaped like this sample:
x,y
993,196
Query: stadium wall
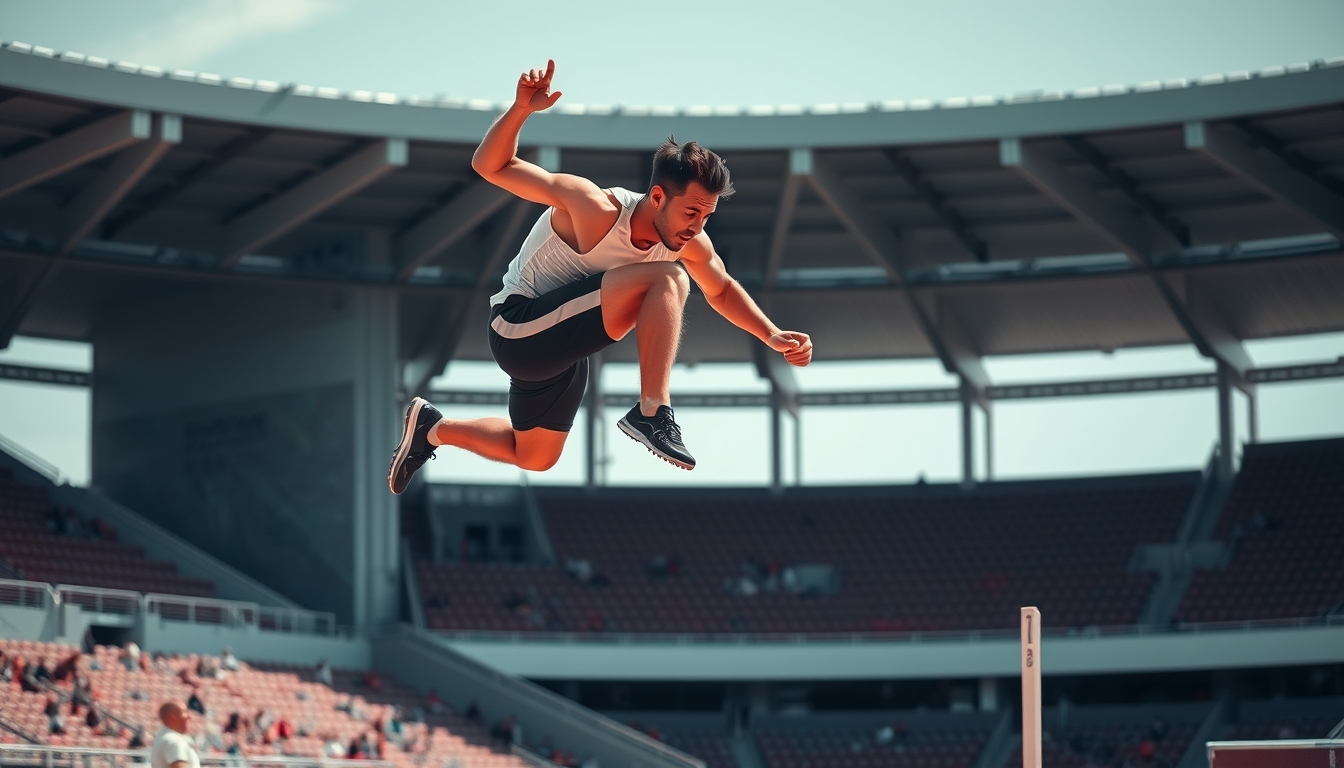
x,y
253,425
968,656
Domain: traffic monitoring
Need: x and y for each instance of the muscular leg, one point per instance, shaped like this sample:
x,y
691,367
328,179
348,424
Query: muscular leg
x,y
495,439
649,298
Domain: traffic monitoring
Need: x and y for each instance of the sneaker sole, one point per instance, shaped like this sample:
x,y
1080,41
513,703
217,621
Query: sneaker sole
x,y
638,437
407,434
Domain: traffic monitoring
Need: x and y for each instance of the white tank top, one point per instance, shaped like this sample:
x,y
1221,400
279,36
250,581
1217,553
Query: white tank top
x,y
545,262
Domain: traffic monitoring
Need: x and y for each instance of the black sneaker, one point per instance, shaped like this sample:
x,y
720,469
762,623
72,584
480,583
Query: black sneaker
x,y
415,449
660,434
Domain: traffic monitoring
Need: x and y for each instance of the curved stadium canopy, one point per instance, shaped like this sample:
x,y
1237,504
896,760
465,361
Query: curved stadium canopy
x,y
1205,211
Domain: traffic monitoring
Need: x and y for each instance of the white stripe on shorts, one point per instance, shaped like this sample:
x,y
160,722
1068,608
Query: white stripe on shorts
x,y
571,308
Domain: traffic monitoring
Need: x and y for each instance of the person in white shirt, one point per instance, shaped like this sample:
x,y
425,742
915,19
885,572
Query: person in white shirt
x,y
173,747
598,264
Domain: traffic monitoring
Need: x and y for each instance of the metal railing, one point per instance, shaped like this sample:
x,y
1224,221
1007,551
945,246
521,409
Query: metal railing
x,y
180,608
49,756
31,460
802,638
27,594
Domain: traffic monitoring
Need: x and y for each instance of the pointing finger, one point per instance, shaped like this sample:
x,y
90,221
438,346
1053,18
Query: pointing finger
x,y
550,69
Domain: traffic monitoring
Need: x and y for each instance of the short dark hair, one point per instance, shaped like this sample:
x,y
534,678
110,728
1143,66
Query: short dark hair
x,y
675,166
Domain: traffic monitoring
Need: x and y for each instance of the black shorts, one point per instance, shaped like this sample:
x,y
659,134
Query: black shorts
x,y
544,344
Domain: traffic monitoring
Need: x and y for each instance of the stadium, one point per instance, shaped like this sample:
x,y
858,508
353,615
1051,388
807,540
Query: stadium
x,y
268,273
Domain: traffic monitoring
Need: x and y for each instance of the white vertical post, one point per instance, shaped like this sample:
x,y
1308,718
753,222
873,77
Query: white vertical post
x,y
1031,688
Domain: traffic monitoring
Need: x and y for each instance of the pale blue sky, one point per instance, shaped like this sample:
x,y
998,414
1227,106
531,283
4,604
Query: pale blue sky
x,y
744,53
694,52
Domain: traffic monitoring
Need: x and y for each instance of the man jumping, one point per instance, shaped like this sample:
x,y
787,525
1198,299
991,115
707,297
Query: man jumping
x,y
598,263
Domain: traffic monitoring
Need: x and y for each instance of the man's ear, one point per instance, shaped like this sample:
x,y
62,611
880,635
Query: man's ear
x,y
657,195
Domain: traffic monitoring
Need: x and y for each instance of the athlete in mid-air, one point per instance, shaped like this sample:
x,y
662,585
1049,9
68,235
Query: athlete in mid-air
x,y
597,264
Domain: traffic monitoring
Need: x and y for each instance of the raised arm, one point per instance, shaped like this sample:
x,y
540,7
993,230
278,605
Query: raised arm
x,y
497,161
730,299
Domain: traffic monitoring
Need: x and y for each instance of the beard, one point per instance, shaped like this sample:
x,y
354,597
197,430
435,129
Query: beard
x,y
669,239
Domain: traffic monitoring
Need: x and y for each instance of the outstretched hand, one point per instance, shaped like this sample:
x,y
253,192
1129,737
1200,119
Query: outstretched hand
x,y
797,347
534,89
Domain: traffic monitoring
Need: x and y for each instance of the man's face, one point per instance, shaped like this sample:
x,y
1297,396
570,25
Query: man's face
x,y
682,217
179,719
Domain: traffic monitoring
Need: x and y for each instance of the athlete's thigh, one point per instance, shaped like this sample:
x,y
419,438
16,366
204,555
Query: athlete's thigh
x,y
623,290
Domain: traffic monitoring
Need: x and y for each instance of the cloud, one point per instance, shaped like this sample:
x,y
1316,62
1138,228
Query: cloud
x,y
200,30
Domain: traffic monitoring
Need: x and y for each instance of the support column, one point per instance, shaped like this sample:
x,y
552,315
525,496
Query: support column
x,y
989,444
967,435
798,448
776,443
1253,415
1226,425
595,460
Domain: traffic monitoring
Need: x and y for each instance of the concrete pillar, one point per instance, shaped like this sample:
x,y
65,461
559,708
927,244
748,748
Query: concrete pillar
x,y
1226,424
989,694
595,460
1253,416
776,442
989,444
967,435
798,448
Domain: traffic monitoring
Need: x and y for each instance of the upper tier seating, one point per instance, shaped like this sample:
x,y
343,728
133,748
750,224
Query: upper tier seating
x,y
86,556
925,559
1285,519
132,698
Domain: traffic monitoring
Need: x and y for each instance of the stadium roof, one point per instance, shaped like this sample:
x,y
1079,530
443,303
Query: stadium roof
x,y
1206,211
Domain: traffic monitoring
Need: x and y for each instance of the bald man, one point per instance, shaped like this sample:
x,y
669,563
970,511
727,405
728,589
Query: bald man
x,y
172,747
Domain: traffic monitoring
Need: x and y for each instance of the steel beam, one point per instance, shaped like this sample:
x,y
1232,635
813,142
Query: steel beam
x,y
1126,184
150,202
800,164
38,375
309,198
1269,174
453,221
442,344
83,213
876,239
72,149
1138,238
17,296
1131,234
938,204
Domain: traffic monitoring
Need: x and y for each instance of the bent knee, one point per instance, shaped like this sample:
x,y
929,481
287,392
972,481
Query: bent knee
x,y
538,462
675,275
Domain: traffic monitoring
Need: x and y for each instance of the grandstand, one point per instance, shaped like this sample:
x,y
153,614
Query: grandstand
x,y
312,259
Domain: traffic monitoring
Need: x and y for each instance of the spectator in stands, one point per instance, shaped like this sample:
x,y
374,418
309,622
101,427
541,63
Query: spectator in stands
x,y
93,719
208,669
6,670
474,712
28,679
373,681
1157,730
435,703
323,673
195,704
130,656
42,672
228,661
137,739
658,567
81,695
66,669
55,723
172,747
